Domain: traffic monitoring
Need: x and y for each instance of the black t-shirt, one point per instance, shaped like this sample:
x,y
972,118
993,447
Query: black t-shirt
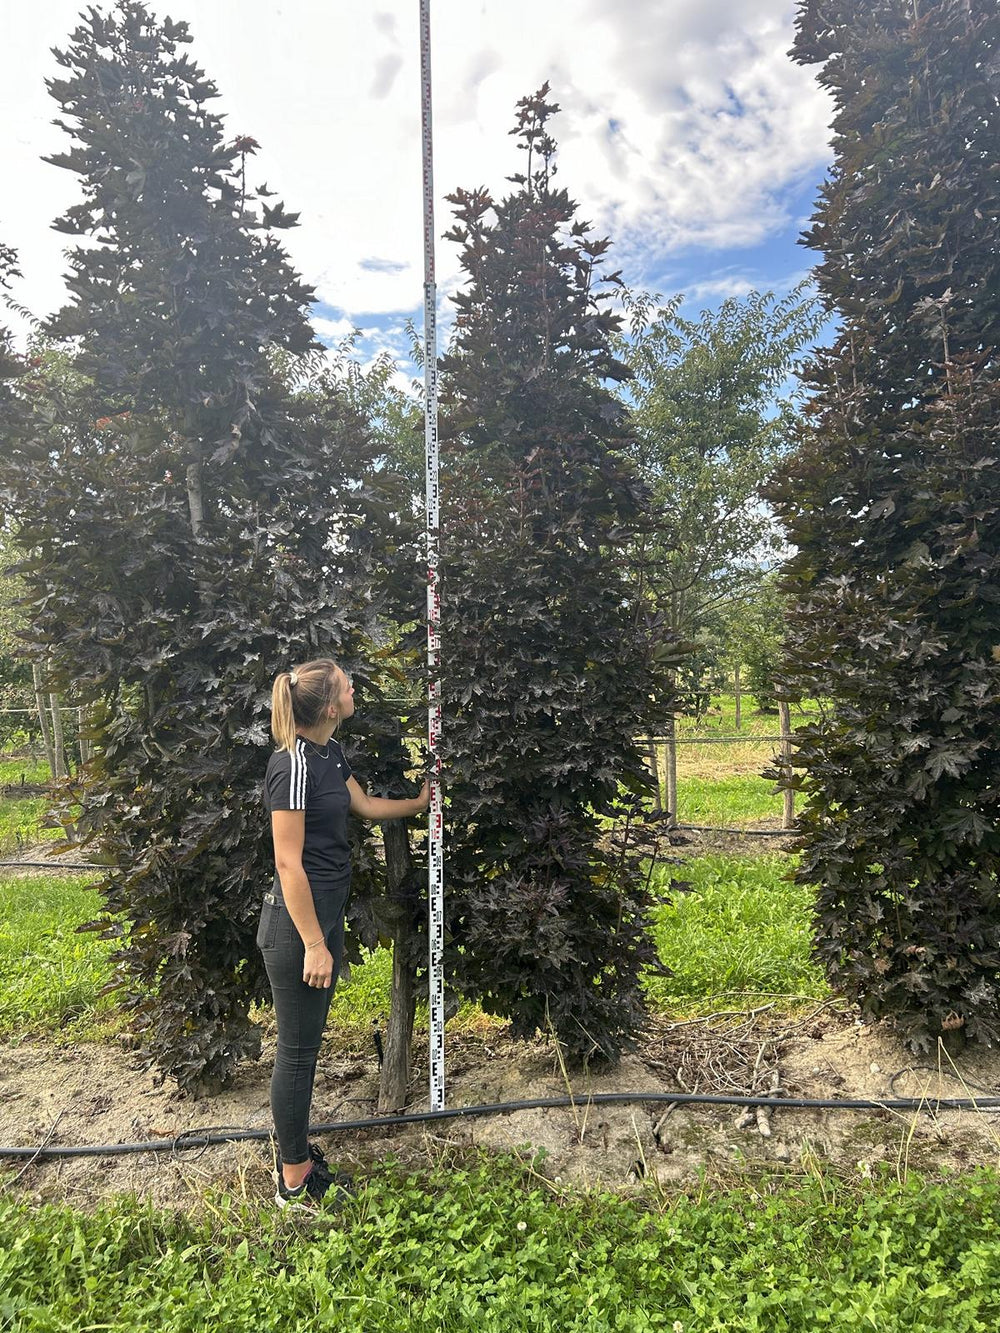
x,y
301,779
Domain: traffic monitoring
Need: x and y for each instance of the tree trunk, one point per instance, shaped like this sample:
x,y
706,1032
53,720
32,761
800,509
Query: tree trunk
x,y
58,739
43,719
194,494
86,750
739,696
785,714
394,1082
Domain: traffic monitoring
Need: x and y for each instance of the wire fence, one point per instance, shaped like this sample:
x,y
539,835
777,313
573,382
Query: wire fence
x,y
662,751
668,792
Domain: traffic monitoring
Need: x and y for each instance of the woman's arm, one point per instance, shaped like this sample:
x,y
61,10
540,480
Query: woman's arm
x,y
288,829
377,808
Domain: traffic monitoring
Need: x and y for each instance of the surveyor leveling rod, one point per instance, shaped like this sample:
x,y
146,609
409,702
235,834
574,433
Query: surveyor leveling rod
x,y
435,833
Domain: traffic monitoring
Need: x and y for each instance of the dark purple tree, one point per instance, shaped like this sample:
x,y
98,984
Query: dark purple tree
x,y
893,505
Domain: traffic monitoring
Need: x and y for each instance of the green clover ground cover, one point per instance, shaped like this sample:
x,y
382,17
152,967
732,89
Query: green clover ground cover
x,y
488,1247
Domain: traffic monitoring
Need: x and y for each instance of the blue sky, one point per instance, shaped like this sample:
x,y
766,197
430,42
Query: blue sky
x,y
686,135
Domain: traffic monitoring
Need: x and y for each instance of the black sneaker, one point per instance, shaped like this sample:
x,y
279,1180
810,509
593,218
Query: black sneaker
x,y
319,1183
307,1198
343,1182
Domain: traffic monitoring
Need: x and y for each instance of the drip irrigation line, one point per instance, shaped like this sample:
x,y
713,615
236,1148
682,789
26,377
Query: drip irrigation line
x,y
199,1139
51,865
747,832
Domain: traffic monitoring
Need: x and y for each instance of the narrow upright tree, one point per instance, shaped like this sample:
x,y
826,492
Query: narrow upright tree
x,y
195,525
893,504
547,677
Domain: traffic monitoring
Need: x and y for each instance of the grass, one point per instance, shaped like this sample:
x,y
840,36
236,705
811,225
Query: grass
x,y
734,926
730,802
49,975
739,928
22,822
489,1246
720,719
22,768
721,784
21,818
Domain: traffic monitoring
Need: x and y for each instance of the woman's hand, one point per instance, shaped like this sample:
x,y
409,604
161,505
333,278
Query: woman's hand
x,y
425,795
317,970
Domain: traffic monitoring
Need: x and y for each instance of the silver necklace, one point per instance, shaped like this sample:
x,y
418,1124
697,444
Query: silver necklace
x,y
320,754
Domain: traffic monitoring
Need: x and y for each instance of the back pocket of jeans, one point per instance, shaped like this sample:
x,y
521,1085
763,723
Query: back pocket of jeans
x,y
267,931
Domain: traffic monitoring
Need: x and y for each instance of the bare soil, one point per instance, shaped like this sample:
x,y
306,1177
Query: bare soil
x,y
102,1094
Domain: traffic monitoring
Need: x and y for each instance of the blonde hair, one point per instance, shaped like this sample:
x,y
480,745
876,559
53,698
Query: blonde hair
x,y
300,697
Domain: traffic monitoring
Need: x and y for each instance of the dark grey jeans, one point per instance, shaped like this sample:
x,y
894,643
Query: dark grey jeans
x,y
300,1010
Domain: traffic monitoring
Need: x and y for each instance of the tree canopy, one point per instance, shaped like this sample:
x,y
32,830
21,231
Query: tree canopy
x,y
547,679
893,506
714,411
203,505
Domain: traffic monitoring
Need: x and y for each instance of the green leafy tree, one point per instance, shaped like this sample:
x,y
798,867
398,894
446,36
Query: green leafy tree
x,y
893,504
15,673
752,630
203,506
548,672
714,413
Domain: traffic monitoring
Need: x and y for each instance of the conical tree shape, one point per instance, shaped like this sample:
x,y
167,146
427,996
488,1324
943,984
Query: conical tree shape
x,y
547,676
195,525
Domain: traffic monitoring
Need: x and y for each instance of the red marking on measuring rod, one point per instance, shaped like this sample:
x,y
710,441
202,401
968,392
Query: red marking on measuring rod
x,y
435,828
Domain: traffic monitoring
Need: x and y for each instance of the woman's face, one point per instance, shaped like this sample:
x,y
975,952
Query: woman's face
x,y
345,699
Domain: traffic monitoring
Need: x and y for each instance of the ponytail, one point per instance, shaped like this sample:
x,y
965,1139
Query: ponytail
x,y
300,697
283,713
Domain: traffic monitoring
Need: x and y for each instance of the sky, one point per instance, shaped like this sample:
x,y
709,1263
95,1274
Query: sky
x,y
686,135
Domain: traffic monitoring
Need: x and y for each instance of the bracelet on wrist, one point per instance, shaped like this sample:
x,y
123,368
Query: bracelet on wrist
x,y
316,943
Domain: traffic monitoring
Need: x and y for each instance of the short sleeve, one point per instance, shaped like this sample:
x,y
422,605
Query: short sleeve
x,y
287,780
345,767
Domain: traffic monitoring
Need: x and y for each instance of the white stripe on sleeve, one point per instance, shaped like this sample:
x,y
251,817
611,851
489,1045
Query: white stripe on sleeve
x,y
297,778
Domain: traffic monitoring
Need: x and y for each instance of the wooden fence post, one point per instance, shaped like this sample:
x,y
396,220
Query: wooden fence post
x,y
654,769
785,714
43,719
672,770
58,740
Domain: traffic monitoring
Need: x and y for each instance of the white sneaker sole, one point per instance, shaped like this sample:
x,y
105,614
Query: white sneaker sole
x,y
306,1204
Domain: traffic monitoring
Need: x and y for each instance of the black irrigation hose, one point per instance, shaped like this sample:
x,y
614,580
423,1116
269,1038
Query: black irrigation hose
x,y
200,1139
747,832
51,865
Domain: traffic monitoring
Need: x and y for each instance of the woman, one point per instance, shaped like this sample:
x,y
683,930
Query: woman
x,y
308,790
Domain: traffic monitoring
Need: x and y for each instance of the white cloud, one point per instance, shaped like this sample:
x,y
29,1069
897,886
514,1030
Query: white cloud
x,y
684,124
332,330
725,285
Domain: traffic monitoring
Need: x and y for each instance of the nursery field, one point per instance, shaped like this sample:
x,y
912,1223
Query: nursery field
x,y
719,768
624,1220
